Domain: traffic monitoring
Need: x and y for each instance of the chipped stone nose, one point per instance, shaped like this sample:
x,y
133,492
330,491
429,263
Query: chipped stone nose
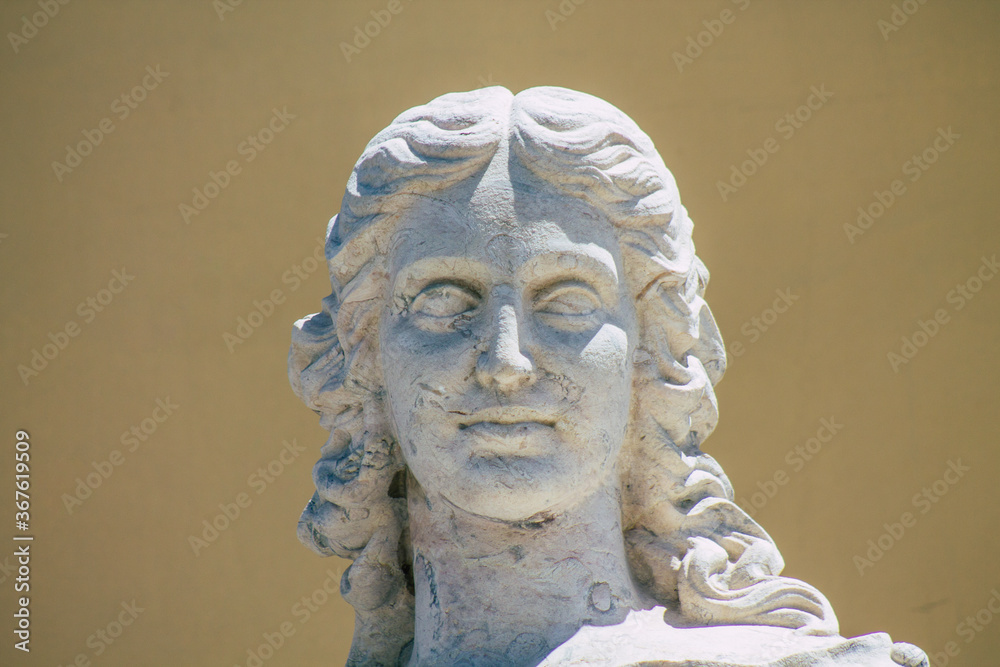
x,y
505,364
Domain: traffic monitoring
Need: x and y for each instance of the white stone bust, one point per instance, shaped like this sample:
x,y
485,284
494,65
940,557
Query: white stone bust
x,y
516,367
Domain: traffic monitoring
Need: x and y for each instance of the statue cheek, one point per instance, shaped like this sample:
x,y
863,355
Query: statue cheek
x,y
607,351
411,355
417,442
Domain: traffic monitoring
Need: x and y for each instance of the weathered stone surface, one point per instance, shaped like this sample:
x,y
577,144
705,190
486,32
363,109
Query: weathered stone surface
x,y
516,366
646,639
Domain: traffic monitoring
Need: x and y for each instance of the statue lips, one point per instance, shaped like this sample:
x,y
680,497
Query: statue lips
x,y
511,429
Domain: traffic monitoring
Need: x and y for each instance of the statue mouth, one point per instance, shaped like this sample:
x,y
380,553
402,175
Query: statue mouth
x,y
514,429
507,419
517,430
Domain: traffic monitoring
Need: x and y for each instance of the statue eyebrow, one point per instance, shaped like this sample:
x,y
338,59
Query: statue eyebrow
x,y
416,275
543,270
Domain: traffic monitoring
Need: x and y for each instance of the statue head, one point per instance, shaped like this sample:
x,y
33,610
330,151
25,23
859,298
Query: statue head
x,y
517,317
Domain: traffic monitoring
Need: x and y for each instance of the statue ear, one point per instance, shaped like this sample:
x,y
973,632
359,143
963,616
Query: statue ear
x,y
709,347
316,358
315,514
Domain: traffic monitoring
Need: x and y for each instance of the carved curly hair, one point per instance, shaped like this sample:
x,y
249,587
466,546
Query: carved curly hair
x,y
689,546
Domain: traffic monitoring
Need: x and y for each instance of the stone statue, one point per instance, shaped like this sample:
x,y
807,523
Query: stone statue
x,y
516,367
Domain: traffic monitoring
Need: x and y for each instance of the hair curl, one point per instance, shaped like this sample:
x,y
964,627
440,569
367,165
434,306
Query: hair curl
x,y
689,545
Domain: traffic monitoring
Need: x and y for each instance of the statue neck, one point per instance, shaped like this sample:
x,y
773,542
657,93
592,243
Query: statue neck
x,y
493,592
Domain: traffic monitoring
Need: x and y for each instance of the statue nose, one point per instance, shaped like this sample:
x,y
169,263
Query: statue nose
x,y
505,364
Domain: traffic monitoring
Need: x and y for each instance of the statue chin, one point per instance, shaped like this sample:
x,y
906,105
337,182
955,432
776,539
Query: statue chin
x,y
644,638
511,502
524,490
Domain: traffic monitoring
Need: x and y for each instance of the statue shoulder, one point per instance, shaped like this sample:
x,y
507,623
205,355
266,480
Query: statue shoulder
x,y
644,638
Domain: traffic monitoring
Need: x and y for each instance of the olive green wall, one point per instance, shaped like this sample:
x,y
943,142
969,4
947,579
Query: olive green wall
x,y
884,96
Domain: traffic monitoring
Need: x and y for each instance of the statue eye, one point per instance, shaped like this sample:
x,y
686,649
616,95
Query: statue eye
x,y
568,305
444,300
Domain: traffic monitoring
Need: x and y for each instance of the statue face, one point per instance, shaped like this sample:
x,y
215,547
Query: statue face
x,y
506,342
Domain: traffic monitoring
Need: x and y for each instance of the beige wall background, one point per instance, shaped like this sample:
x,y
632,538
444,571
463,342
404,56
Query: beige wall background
x,y
224,68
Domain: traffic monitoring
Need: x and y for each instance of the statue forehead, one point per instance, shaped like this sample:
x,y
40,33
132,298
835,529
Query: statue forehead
x,y
501,223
